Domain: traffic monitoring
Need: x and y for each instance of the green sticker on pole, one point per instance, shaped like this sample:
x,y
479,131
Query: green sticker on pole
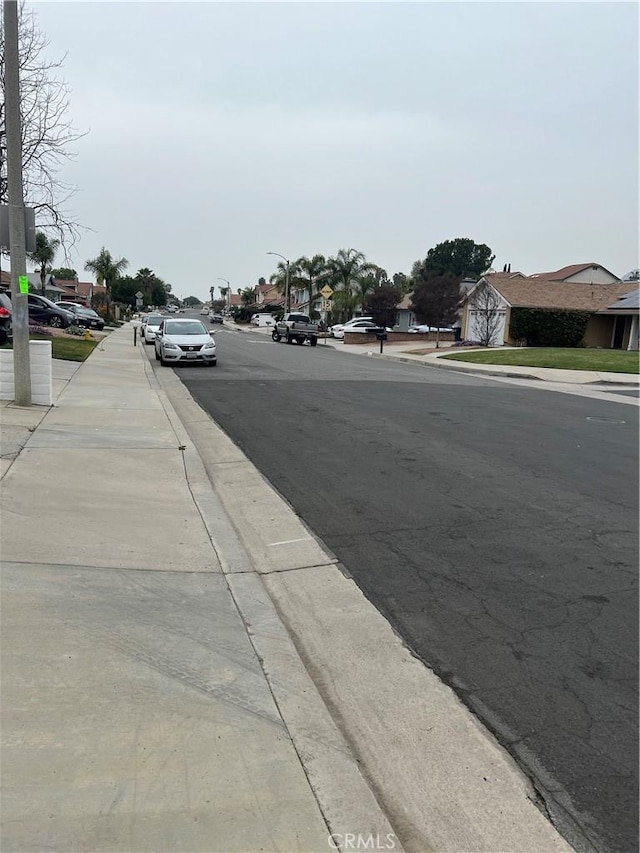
x,y
23,283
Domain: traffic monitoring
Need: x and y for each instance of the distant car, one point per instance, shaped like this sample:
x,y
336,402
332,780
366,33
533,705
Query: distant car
x,y
5,317
86,317
43,310
216,318
361,326
204,312
424,327
184,340
340,326
150,325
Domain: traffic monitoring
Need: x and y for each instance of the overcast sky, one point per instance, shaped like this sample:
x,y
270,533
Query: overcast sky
x,y
222,131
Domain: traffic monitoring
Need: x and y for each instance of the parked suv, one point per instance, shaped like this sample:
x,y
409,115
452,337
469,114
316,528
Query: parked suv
x,y
5,317
43,310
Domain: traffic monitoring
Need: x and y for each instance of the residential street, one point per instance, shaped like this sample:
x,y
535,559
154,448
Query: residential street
x,y
493,524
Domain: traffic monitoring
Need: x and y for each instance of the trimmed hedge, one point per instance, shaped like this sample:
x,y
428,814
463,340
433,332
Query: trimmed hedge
x,y
548,327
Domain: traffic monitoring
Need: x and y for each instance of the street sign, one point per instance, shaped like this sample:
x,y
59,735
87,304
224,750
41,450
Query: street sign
x,y
326,292
326,305
139,294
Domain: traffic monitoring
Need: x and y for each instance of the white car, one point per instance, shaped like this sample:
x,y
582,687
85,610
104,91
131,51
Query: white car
x,y
150,325
263,320
339,327
360,326
426,328
184,340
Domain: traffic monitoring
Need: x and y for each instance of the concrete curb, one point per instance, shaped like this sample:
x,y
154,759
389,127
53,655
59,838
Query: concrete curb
x,y
345,798
435,363
360,708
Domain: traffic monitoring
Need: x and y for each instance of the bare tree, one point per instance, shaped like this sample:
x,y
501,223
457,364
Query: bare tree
x,y
486,305
48,134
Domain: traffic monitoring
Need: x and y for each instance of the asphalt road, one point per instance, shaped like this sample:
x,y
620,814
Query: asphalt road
x,y
494,525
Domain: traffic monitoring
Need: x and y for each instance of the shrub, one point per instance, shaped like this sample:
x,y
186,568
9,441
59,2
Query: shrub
x,y
548,327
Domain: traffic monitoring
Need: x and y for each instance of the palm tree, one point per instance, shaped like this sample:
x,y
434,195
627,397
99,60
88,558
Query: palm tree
x,y
376,277
279,278
308,271
349,266
106,270
246,296
44,254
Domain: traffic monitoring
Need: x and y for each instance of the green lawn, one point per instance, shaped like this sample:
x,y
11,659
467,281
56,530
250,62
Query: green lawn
x,y
609,360
67,349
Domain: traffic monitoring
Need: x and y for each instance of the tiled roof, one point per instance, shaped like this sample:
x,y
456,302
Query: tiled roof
x,y
566,272
542,293
85,288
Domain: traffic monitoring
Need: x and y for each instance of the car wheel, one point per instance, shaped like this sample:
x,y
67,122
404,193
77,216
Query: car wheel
x,y
155,349
4,337
55,322
163,363
275,337
313,341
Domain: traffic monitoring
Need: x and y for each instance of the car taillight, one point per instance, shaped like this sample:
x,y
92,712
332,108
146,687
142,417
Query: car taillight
x,y
4,312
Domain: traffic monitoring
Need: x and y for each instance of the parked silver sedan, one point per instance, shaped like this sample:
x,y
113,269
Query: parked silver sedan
x,y
183,340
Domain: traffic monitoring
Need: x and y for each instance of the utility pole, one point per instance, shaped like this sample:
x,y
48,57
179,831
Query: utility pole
x,y
286,289
287,303
19,281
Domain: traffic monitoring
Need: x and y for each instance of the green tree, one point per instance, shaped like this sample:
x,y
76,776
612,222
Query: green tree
x,y
403,282
246,296
279,277
106,270
124,289
461,258
348,267
152,287
435,299
382,303
43,256
65,274
344,304
308,271
191,302
369,281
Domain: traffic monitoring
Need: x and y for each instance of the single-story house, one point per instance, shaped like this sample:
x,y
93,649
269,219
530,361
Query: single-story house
x,y
604,329
626,322
590,273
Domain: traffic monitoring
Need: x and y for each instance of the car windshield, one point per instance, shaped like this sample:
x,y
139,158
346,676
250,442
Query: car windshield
x,y
182,327
155,321
87,312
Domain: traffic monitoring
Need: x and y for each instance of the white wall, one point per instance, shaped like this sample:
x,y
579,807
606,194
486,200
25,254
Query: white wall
x,y
41,373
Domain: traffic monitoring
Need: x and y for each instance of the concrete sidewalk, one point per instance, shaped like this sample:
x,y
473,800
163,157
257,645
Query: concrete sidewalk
x,y
136,713
175,679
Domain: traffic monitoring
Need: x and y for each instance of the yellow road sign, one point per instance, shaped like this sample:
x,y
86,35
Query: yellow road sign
x,y
326,292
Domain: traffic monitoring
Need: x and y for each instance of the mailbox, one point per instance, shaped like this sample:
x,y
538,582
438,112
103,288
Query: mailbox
x,y
381,336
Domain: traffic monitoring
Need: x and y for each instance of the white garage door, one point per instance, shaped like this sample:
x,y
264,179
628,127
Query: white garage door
x,y
476,325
